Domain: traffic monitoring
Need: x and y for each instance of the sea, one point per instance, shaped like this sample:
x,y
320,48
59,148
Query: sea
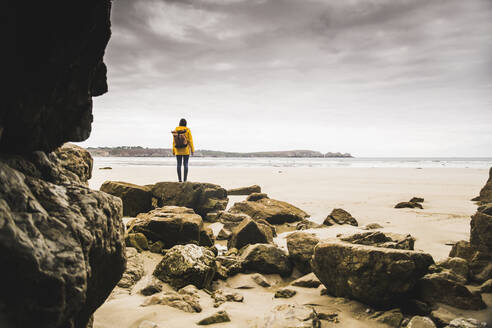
x,y
277,162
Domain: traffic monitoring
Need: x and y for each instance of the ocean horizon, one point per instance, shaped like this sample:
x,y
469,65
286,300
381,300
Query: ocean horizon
x,y
252,162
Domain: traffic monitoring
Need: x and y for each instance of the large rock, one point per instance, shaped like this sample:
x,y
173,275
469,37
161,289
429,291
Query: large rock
x,y
61,246
244,191
271,210
53,70
409,205
377,276
187,264
301,249
437,288
481,232
486,192
340,216
136,199
250,232
381,239
173,225
203,198
134,269
266,258
66,165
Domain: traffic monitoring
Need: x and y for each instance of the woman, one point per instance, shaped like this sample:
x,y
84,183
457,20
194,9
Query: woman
x,y
182,147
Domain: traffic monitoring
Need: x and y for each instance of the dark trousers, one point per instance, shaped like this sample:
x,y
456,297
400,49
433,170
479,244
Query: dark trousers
x,y
182,159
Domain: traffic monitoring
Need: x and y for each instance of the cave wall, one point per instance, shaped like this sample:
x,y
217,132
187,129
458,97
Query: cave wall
x,y
54,67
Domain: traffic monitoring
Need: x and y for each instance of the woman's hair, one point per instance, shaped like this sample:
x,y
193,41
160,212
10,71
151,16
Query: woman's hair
x,y
182,122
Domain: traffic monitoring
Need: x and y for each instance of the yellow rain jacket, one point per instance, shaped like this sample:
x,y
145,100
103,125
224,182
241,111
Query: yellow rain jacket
x,y
186,150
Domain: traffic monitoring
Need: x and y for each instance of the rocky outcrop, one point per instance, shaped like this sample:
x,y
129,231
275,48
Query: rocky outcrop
x,y
477,252
67,165
271,210
187,264
54,69
250,232
61,244
266,258
244,191
203,198
301,248
136,199
486,192
172,225
380,239
377,276
340,216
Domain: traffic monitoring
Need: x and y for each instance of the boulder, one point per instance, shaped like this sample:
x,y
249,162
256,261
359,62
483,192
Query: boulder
x,y
261,280
53,73
416,200
244,191
307,224
182,301
285,293
453,268
172,225
59,237
73,159
136,199
250,232
308,281
134,269
271,210
479,261
230,265
377,276
266,258
408,205
203,198
481,232
486,192
392,318
381,239
301,248
217,317
340,216
207,237
256,196
137,240
420,322
437,288
466,323
187,264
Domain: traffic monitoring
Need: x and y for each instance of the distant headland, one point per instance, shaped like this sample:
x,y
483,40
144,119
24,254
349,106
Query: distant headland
x,y
137,151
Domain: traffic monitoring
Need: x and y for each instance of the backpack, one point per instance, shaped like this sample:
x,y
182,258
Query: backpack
x,y
180,140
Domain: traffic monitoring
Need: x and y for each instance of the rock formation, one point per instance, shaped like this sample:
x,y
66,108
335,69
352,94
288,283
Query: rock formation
x,y
340,216
55,69
271,210
250,232
301,248
244,191
486,192
478,251
136,199
61,244
56,235
377,276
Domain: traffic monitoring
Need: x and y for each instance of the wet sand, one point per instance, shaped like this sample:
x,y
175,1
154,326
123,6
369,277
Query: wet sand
x,y
369,194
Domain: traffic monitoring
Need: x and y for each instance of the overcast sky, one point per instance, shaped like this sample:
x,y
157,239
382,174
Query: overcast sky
x,y
369,77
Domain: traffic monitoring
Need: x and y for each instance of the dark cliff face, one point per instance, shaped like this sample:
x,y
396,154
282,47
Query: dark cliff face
x,y
61,244
54,67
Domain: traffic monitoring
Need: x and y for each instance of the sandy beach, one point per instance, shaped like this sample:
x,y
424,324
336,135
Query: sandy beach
x,y
369,194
